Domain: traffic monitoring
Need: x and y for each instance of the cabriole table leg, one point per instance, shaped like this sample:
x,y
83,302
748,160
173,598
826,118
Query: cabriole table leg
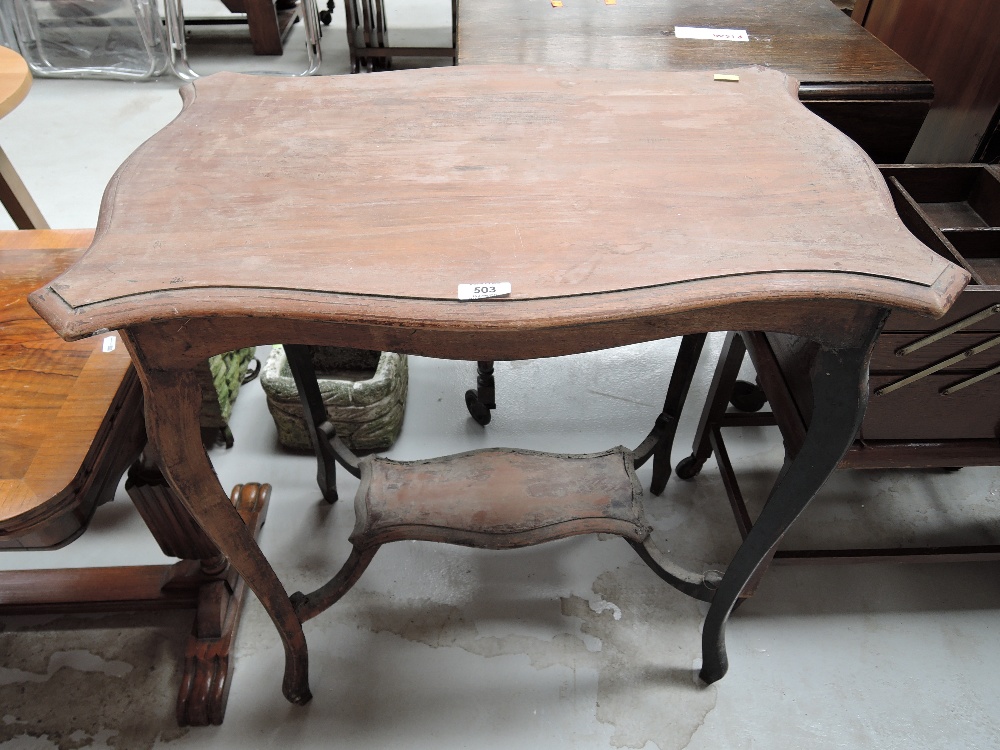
x,y
840,388
173,404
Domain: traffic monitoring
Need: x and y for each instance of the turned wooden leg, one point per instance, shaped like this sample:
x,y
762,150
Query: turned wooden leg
x,y
840,394
173,403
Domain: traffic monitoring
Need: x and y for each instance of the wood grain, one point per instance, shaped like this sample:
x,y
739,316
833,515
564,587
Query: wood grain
x,y
807,39
56,398
670,195
848,77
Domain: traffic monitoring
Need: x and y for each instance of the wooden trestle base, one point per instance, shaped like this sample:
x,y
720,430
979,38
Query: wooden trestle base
x,y
206,584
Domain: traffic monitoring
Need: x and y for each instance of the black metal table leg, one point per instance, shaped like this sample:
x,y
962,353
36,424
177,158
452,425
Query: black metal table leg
x,y
661,438
483,400
840,394
328,447
726,372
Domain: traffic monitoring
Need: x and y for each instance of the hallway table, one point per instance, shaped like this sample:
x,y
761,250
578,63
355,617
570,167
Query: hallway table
x,y
348,210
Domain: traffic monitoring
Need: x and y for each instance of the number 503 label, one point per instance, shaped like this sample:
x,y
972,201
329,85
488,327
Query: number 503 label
x,y
484,290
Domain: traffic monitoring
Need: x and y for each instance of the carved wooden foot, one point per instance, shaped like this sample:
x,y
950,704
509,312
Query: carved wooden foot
x,y
207,665
217,590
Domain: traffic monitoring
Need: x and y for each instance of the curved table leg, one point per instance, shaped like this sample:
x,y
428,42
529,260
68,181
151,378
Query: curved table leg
x,y
173,403
840,388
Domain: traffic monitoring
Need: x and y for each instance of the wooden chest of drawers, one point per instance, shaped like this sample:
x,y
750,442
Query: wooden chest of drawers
x,y
940,379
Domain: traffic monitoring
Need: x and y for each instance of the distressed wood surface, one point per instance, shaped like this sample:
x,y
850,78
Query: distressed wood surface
x,y
600,202
498,498
620,213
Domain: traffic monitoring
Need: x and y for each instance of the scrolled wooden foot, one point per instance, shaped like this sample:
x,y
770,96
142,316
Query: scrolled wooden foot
x,y
208,666
204,690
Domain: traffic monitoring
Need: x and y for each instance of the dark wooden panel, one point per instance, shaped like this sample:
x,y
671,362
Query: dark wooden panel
x,y
885,129
919,412
955,43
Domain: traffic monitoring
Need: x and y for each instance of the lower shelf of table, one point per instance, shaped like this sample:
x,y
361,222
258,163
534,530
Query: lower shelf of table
x,y
499,498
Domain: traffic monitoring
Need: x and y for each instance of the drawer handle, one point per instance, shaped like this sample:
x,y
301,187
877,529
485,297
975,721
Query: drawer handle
x,y
971,320
971,351
970,381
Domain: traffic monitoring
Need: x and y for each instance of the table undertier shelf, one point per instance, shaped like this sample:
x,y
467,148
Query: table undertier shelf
x,y
499,498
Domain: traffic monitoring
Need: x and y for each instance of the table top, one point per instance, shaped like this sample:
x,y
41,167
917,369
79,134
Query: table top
x,y
15,80
808,39
54,395
356,199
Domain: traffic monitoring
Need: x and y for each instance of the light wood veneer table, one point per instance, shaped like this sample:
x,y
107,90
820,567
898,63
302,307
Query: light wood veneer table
x,y
15,81
620,210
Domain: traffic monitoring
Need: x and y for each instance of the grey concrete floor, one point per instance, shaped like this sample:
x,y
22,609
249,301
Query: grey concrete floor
x,y
573,644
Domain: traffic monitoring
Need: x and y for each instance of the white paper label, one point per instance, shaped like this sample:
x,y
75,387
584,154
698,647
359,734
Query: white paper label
x,y
109,343
719,35
484,290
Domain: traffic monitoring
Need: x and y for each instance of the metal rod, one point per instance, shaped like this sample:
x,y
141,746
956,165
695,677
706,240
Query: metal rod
x,y
970,381
972,351
957,326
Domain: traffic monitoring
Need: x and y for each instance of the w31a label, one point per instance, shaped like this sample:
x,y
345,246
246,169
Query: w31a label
x,y
484,290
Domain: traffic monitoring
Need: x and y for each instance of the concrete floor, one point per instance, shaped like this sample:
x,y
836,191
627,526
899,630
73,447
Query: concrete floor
x,y
574,644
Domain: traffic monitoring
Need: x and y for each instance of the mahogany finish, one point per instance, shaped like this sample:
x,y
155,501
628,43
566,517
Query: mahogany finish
x,y
72,416
672,205
848,77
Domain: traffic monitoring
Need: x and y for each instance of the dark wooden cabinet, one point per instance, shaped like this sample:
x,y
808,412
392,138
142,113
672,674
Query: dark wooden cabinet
x,y
956,43
846,76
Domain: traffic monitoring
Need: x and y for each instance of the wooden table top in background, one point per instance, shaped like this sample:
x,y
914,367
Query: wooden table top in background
x,y
15,80
847,76
674,192
807,39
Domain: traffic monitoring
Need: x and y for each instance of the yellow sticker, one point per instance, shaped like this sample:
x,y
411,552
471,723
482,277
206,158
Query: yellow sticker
x,y
611,2
556,3
725,77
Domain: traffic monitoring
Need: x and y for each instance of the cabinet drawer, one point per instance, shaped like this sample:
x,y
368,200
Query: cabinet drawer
x,y
919,411
885,359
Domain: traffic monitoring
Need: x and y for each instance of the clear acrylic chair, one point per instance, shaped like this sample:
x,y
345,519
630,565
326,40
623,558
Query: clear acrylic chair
x,y
177,44
119,39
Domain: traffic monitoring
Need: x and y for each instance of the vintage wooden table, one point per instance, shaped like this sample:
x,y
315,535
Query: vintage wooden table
x,y
848,77
619,211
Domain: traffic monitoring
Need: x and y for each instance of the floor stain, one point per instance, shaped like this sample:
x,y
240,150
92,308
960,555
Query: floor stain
x,y
648,636
81,681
